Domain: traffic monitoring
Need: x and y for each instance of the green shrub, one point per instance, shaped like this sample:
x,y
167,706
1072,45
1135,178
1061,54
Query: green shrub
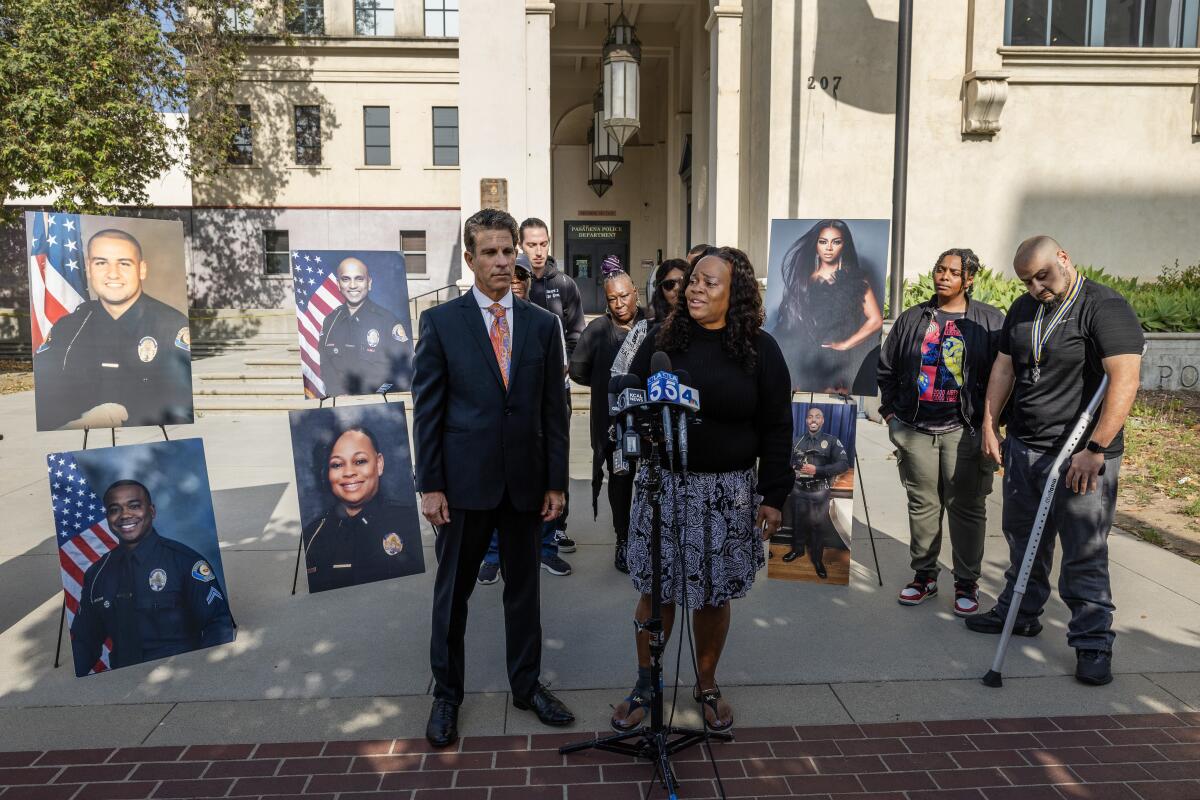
x,y
1171,303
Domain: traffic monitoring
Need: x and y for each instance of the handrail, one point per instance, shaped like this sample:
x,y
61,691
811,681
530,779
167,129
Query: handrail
x,y
433,291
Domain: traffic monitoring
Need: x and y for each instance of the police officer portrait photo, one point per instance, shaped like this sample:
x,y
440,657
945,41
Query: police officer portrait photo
x,y
353,320
354,482
813,543
108,319
139,555
824,301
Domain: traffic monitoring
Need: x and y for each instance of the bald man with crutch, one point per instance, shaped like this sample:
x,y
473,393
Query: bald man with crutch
x,y
1059,342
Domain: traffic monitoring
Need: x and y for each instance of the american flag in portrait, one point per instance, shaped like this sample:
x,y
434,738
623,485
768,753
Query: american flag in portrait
x,y
317,295
82,532
57,269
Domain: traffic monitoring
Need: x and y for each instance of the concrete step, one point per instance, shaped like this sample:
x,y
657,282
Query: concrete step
x,y
262,361
249,390
289,376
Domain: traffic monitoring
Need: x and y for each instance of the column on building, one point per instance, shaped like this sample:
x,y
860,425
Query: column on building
x,y
724,27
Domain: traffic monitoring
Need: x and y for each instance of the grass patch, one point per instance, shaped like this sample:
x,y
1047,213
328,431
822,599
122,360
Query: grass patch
x,y
1162,438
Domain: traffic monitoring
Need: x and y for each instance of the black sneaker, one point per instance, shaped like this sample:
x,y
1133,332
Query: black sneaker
x,y
621,558
555,565
1093,667
488,574
565,543
992,622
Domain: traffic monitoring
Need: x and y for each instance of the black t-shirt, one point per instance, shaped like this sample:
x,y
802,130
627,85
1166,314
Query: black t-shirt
x,y
940,376
1102,324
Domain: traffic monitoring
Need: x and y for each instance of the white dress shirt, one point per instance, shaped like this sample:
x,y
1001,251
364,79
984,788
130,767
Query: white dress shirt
x,y
485,304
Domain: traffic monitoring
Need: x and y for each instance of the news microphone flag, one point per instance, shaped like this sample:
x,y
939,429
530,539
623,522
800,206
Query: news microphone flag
x,y
317,295
57,270
82,533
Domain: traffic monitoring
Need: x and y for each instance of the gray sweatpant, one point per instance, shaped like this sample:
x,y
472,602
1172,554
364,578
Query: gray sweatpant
x,y
1081,522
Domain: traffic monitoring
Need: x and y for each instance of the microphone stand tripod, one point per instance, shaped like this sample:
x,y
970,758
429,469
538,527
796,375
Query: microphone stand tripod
x,y
653,742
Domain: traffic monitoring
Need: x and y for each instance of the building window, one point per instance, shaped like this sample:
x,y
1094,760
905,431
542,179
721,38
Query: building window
x,y
239,19
309,19
412,244
1101,23
241,149
276,253
441,18
375,17
377,136
308,135
445,136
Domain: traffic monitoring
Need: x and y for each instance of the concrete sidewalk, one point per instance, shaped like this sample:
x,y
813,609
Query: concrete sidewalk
x,y
353,664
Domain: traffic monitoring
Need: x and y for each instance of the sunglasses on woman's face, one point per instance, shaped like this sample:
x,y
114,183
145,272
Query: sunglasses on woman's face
x,y
671,284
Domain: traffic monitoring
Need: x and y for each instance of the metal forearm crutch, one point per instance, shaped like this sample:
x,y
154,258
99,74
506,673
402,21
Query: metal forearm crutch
x,y
993,677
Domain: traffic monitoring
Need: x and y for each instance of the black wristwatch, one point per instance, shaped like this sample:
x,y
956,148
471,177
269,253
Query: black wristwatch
x,y
1093,447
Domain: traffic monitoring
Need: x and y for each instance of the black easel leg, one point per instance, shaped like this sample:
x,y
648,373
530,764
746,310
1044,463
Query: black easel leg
x,y
163,428
85,433
114,436
867,513
296,571
385,397
62,618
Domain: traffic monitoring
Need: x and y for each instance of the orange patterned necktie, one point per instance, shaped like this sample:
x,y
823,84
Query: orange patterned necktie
x,y
501,340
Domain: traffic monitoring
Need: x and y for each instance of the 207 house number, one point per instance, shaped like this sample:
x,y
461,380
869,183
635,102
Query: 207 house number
x,y
826,82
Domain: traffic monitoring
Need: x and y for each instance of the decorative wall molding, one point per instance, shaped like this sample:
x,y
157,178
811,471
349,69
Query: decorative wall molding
x,y
984,95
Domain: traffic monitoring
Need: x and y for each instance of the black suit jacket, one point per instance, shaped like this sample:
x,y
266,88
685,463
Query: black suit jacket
x,y
473,440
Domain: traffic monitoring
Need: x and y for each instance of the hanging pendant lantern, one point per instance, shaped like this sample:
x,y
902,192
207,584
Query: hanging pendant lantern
x,y
598,182
622,80
607,153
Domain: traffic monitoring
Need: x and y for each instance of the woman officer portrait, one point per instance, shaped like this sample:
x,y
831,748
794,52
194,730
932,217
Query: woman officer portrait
x,y
362,537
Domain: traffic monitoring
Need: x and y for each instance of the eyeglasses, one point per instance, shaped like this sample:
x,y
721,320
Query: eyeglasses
x,y
671,284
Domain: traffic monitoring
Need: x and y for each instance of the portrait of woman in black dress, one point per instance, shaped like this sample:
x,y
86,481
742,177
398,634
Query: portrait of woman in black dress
x,y
828,320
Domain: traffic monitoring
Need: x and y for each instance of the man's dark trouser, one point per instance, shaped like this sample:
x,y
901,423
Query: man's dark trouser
x,y
460,546
810,516
1081,522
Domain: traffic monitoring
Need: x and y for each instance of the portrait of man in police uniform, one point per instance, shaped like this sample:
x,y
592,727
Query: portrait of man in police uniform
x,y
354,483
364,346
121,357
814,541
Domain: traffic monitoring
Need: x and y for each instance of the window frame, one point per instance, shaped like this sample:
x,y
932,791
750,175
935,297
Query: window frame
x,y
423,253
374,7
241,146
306,146
367,146
1094,26
309,10
438,9
268,253
436,147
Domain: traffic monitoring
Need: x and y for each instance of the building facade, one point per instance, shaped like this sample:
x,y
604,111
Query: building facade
x,y
382,124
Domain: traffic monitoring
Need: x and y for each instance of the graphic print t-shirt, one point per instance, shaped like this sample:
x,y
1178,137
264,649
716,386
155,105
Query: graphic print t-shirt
x,y
943,353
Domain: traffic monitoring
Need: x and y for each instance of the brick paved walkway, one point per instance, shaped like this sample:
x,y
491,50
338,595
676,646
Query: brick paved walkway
x,y
1151,757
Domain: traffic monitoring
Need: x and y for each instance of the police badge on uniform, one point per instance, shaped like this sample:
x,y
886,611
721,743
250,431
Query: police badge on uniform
x,y
202,572
147,349
824,445
158,579
392,544
398,333
373,338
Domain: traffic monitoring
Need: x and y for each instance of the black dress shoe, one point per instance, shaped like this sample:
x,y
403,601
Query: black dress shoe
x,y
442,728
792,555
992,622
820,568
1093,667
549,709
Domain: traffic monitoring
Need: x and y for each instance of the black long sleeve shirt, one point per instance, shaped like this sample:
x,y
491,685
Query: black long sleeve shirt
x,y
745,418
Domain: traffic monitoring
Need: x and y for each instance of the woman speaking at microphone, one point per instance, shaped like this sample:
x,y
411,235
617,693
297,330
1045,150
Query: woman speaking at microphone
x,y
713,531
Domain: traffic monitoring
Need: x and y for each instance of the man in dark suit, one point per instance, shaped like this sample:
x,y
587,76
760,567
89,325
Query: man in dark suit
x,y
490,434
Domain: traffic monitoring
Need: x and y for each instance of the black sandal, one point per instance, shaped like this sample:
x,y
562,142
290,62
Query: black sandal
x,y
710,700
636,703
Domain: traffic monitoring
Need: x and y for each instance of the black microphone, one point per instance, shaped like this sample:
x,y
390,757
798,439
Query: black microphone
x,y
661,362
628,444
685,378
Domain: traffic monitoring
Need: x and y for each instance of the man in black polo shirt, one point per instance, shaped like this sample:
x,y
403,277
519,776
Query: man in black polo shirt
x,y
1058,342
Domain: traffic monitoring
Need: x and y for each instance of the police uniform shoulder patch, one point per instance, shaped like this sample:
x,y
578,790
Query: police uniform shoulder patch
x,y
398,333
373,338
839,443
147,348
392,545
202,572
183,339
43,347
158,579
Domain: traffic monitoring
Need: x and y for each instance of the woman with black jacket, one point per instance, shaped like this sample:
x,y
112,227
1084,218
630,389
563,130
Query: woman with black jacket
x,y
933,373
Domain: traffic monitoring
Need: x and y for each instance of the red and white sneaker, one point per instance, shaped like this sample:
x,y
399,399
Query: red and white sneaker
x,y
922,586
966,598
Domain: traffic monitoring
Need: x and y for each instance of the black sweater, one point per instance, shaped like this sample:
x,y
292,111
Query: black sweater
x,y
744,417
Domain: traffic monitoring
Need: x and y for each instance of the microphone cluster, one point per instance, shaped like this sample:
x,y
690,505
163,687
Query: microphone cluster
x,y
660,412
